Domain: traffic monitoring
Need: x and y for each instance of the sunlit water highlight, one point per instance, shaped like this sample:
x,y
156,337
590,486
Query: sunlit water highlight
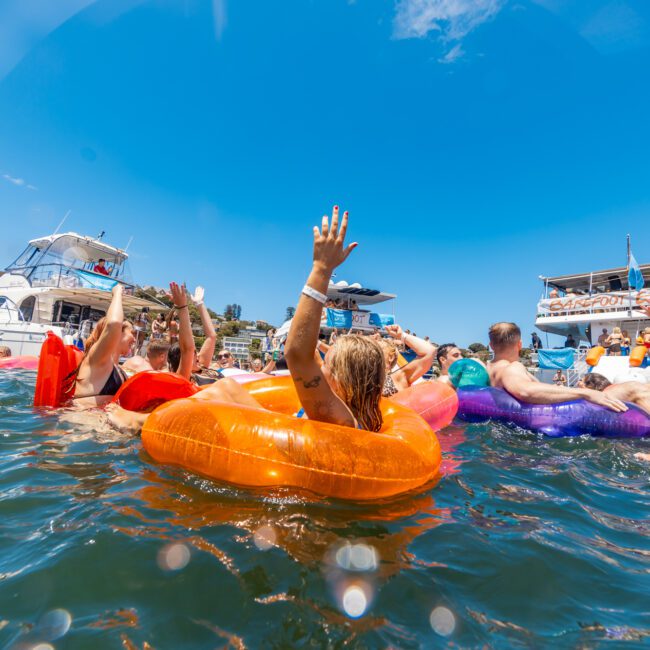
x,y
525,542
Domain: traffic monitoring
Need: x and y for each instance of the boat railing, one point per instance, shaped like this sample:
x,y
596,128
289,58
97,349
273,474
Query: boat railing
x,y
61,276
579,367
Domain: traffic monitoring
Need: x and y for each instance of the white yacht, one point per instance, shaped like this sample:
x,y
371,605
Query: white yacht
x,y
53,285
584,304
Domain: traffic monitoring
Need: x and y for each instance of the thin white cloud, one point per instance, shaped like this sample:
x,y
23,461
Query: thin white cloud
x,y
19,182
454,54
451,20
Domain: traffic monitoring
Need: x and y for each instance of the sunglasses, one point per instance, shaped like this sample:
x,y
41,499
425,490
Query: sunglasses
x,y
223,356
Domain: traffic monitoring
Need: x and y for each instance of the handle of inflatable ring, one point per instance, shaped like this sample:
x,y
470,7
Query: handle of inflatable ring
x,y
637,356
593,356
147,390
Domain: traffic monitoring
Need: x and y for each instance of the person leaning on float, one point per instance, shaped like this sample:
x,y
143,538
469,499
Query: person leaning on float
x,y
99,375
399,378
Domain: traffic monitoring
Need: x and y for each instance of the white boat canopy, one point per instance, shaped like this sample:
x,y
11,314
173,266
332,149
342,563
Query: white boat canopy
x,y
341,290
86,249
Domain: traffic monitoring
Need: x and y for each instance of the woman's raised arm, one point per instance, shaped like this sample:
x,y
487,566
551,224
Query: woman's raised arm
x,y
316,396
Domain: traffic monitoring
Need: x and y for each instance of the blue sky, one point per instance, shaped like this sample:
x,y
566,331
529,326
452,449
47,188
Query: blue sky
x,y
477,144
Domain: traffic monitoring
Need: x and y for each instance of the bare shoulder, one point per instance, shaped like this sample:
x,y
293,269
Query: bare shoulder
x,y
627,390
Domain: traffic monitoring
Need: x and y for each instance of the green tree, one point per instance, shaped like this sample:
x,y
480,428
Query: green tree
x,y
290,313
477,347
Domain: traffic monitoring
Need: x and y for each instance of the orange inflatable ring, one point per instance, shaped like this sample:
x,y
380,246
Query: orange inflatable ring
x,y
271,447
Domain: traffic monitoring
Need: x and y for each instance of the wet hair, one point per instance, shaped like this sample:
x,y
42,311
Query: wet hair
x,y
97,332
357,364
596,381
174,357
157,347
4,351
503,335
443,350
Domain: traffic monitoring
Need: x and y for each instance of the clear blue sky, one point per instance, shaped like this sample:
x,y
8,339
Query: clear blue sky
x,y
477,144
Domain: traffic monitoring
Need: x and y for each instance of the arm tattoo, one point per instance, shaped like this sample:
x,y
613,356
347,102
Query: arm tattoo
x,y
312,383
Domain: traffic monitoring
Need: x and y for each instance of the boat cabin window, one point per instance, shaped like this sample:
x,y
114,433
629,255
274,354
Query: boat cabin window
x,y
27,307
66,312
88,313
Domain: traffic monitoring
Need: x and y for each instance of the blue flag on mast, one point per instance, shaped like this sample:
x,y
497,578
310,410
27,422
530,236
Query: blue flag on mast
x,y
634,275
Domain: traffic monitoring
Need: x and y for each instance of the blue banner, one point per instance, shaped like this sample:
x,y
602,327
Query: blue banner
x,y
345,319
556,359
381,320
90,280
339,318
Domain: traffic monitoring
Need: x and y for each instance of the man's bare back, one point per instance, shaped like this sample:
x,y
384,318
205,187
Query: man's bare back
x,y
631,391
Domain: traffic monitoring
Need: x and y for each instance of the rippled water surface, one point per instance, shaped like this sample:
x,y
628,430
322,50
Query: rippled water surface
x,y
524,542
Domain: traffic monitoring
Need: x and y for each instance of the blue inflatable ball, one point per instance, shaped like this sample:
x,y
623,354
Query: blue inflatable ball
x,y
468,372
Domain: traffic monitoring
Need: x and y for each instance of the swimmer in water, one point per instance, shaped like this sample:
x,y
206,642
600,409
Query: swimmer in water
x,y
99,375
446,355
399,378
507,372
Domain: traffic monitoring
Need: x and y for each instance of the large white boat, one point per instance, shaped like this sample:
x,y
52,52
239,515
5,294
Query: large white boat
x,y
52,285
585,304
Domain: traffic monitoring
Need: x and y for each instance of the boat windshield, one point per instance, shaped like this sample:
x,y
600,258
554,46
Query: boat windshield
x,y
71,252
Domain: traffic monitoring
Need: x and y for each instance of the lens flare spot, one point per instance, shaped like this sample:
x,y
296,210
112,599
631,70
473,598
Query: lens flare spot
x,y
357,557
54,624
354,601
42,646
264,538
173,557
442,621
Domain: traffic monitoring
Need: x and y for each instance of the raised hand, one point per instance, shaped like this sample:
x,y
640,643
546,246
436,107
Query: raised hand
x,y
197,296
329,248
178,295
117,289
395,331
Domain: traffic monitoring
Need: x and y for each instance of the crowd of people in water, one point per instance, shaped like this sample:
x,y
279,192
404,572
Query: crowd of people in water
x,y
339,378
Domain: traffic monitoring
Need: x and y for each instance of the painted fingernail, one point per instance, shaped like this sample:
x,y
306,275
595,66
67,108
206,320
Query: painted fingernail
x,y
336,207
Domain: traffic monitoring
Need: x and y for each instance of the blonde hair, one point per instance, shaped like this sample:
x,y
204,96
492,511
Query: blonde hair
x,y
390,350
97,332
357,364
616,330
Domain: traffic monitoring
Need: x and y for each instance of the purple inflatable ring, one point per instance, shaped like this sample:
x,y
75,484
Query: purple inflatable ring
x,y
565,419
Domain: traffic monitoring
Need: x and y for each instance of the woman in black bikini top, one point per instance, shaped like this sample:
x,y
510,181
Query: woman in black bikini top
x,y
99,375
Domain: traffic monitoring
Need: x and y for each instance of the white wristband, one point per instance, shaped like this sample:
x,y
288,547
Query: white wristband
x,y
316,295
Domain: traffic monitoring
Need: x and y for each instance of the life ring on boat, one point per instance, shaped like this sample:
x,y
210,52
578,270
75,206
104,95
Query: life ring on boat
x,y
23,362
271,447
573,418
144,391
57,365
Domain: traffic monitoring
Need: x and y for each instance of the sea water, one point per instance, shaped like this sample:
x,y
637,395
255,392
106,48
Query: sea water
x,y
524,542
